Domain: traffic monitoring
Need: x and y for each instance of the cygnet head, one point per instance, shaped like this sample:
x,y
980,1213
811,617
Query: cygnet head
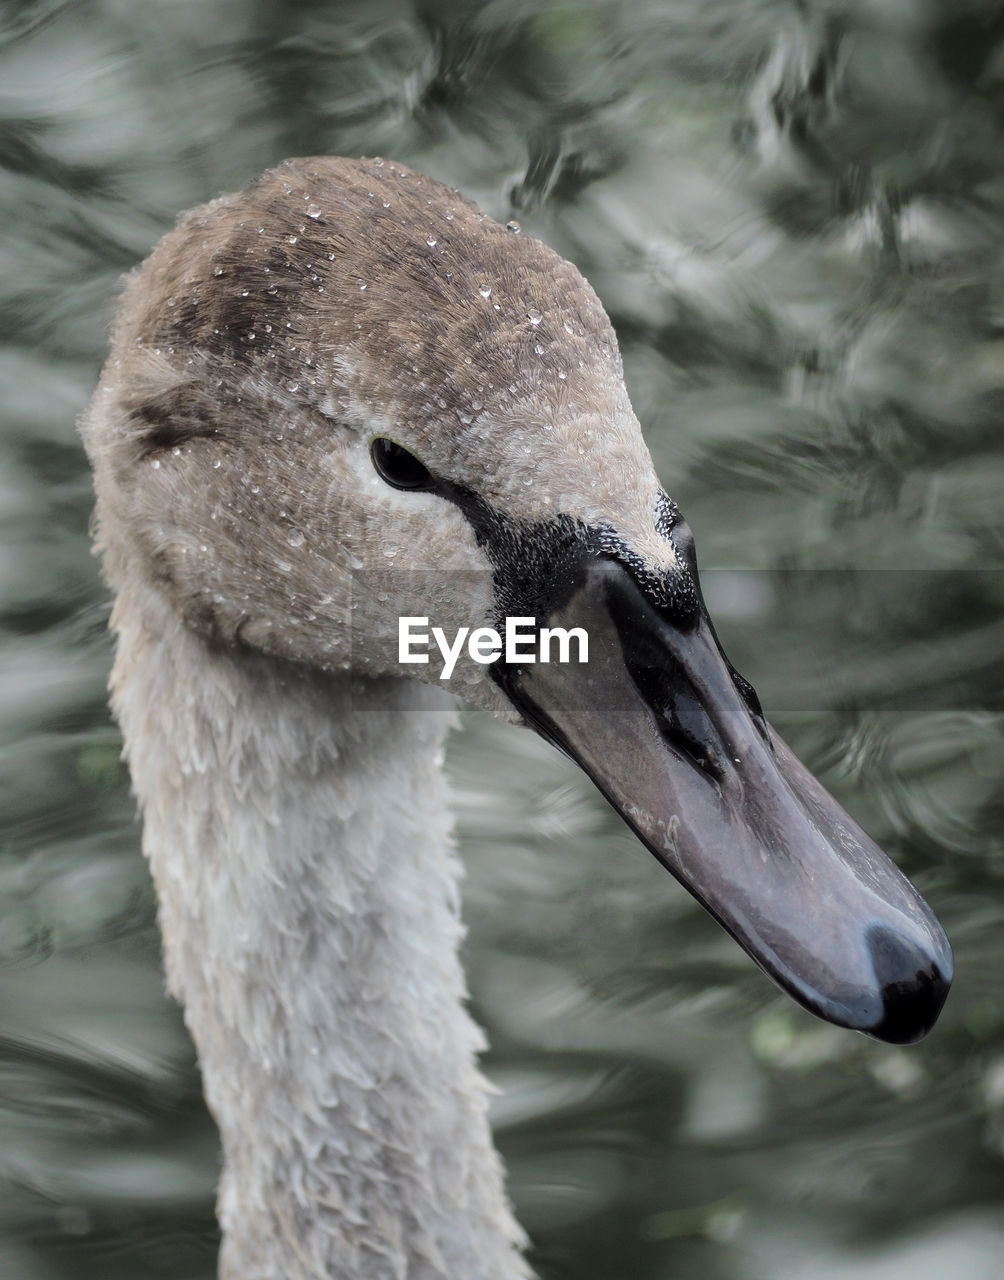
x,y
346,395
275,335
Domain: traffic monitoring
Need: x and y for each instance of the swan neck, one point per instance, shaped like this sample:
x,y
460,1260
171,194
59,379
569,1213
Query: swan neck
x,y
308,899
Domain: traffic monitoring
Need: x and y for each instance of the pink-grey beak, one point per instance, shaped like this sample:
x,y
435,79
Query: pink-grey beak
x,y
676,742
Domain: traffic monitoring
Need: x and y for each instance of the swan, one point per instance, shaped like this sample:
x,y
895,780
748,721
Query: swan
x,y
341,397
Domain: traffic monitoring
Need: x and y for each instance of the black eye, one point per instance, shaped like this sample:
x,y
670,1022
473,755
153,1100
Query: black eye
x,y
399,467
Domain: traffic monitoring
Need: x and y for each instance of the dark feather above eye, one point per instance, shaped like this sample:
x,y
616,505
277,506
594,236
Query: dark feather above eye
x,y
172,417
399,468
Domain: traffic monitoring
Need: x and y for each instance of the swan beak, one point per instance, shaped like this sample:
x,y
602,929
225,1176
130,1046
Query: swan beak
x,y
680,749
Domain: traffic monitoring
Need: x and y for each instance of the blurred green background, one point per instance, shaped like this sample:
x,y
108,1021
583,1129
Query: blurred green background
x,y
794,213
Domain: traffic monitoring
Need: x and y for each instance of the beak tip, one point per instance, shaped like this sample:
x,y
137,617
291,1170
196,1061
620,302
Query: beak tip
x,y
914,984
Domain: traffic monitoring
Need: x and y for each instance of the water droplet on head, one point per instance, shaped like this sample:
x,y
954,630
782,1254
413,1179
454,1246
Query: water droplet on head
x,y
562,374
217,464
539,349
512,225
155,464
313,211
217,271
362,284
295,537
292,239
534,317
431,242
485,291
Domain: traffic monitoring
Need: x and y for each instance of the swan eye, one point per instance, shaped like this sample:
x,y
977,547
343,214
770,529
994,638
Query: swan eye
x,y
399,467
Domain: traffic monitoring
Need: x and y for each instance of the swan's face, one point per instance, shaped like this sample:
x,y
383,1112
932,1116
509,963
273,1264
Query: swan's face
x,y
275,336
345,396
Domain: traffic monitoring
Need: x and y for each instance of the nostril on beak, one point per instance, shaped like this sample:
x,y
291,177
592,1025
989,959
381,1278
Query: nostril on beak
x,y
913,982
